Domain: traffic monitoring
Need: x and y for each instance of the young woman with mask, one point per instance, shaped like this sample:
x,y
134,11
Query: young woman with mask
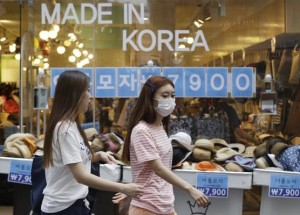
x,y
68,155
149,151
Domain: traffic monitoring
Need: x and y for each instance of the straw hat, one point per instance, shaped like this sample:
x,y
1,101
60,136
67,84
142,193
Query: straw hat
x,y
240,148
201,154
203,150
205,144
219,143
249,151
233,167
224,154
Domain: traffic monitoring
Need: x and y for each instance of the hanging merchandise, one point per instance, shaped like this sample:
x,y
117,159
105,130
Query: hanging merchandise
x,y
284,69
295,69
268,83
292,124
41,92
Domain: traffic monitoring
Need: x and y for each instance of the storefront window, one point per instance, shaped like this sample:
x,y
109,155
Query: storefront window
x,y
113,33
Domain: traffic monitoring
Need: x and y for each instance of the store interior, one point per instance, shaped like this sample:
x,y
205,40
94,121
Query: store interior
x,y
239,33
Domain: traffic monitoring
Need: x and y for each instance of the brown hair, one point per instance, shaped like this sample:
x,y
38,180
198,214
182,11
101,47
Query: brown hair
x,y
144,109
70,88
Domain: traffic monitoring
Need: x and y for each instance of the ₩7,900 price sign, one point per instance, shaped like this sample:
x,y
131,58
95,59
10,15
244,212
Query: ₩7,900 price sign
x,y
284,186
213,185
20,172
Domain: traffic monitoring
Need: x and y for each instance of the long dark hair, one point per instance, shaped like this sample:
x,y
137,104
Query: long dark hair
x,y
70,88
144,109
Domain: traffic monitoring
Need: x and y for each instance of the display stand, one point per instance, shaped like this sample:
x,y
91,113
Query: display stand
x,y
237,182
274,205
21,203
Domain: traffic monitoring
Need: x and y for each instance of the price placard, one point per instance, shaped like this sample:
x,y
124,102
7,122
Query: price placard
x,y
20,172
213,185
284,186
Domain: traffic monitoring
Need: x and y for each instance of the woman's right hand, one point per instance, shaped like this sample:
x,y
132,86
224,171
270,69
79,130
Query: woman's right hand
x,y
200,198
132,190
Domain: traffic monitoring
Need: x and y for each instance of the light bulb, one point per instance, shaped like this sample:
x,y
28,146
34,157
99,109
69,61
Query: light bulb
x,y
72,58
61,49
44,35
52,34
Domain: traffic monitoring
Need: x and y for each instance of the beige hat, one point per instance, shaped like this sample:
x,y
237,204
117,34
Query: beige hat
x,y
205,144
219,143
249,151
183,140
200,154
224,154
233,167
15,146
240,148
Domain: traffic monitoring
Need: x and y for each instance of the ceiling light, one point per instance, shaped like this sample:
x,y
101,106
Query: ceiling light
x,y
200,21
181,46
3,38
52,34
67,43
190,40
72,58
56,27
18,56
85,52
90,56
80,45
79,65
77,52
12,47
46,65
44,35
61,49
197,24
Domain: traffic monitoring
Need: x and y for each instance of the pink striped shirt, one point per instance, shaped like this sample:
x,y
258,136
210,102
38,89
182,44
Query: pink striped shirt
x,y
150,142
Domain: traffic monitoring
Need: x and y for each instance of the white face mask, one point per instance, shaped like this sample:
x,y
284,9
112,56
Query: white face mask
x,y
165,106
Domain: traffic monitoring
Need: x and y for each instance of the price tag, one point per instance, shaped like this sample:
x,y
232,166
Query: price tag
x,y
284,186
20,172
213,185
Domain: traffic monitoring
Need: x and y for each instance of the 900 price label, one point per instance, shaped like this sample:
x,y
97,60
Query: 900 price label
x,y
213,185
19,178
214,192
20,172
284,186
285,192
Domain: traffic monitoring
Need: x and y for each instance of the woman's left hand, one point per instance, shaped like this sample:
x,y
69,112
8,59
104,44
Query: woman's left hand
x,y
107,158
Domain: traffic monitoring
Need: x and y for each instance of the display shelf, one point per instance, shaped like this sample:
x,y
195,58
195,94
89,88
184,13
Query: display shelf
x,y
237,182
274,205
5,163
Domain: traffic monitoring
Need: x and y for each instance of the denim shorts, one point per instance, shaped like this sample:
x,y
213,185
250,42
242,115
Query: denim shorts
x,y
79,207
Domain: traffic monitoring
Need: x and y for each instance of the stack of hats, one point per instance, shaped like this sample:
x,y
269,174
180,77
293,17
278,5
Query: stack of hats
x,y
268,152
203,150
182,148
19,145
